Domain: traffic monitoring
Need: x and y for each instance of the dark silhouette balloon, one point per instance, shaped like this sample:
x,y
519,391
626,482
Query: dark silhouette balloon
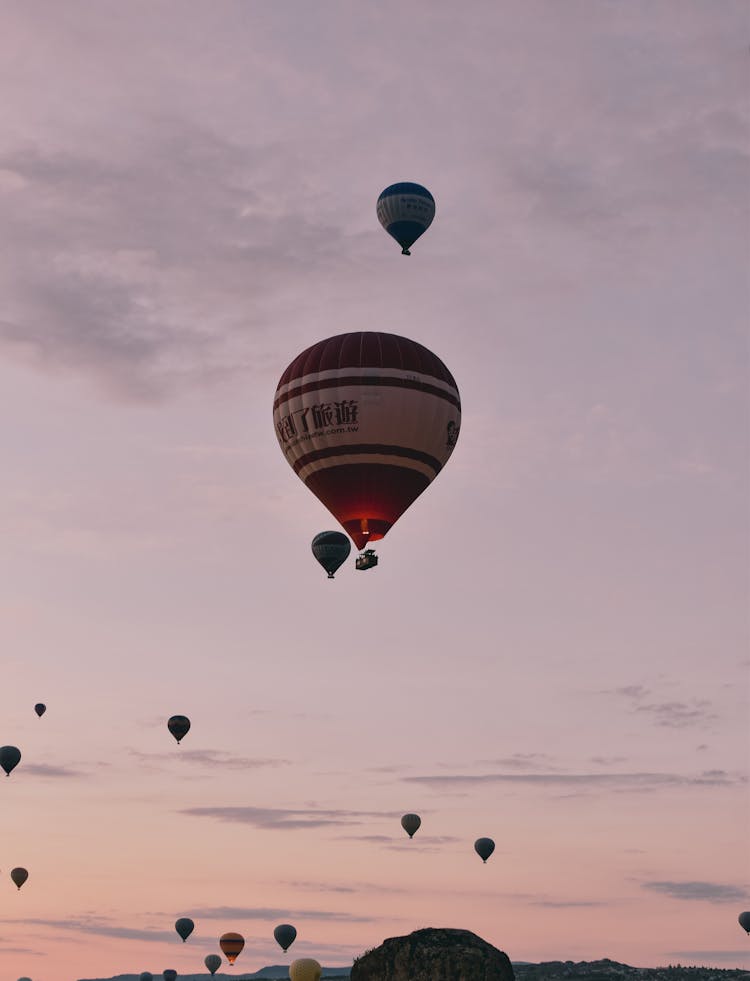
x,y
184,927
405,211
411,823
213,963
484,847
285,935
231,945
386,415
331,549
169,974
40,708
10,757
19,876
179,726
744,921
146,976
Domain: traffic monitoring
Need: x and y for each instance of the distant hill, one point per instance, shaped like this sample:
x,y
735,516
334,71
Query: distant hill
x,y
604,970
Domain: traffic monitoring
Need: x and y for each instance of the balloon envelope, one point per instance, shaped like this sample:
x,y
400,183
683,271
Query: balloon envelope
x,y
213,963
40,708
10,757
231,945
411,823
19,876
367,421
179,726
484,847
184,927
146,976
405,211
331,549
285,935
169,974
744,921
305,969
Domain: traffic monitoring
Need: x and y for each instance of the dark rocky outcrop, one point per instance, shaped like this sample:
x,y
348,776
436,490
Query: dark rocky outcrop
x,y
434,955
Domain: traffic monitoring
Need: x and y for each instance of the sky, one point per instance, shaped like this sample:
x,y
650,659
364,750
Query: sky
x,y
554,649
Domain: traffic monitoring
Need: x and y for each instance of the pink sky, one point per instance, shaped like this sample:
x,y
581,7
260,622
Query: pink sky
x,y
554,649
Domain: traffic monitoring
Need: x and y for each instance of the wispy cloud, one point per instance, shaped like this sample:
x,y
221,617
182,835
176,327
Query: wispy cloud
x,y
679,715
616,781
705,892
673,714
286,819
212,758
273,913
101,927
49,770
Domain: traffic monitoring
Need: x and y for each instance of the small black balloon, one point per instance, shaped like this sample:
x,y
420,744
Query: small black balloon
x,y
179,726
40,708
484,847
285,935
10,757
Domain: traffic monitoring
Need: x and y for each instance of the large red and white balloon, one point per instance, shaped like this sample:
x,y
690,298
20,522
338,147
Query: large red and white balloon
x,y
367,420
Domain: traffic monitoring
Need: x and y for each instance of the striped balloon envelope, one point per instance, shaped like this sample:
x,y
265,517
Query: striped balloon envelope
x,y
231,945
367,421
406,211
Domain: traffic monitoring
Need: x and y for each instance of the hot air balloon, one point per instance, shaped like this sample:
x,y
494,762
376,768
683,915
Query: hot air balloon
x,y
19,876
367,421
40,708
744,921
484,847
184,927
213,963
305,969
285,935
169,974
146,976
179,726
411,823
231,945
10,757
331,549
405,211
24,979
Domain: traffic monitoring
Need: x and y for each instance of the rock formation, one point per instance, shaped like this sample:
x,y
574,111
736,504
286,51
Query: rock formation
x,y
434,955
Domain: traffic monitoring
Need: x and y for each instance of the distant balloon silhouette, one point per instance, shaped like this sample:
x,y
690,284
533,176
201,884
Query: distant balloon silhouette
x,y
179,726
285,935
19,876
146,976
331,549
169,974
744,921
484,847
231,945
10,757
405,211
40,708
305,969
24,979
184,927
213,963
411,823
